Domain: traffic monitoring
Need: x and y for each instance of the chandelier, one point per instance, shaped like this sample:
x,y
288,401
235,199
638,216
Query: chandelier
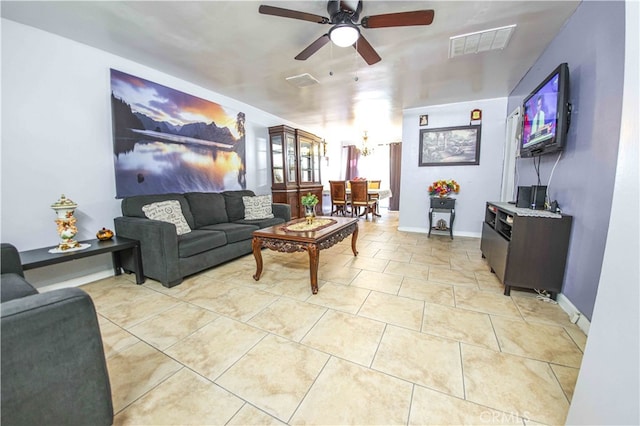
x,y
364,149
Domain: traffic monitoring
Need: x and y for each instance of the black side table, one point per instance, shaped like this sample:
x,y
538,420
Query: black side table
x,y
442,205
37,258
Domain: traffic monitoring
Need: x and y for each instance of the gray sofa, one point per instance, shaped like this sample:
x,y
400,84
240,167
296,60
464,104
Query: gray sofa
x,y
218,234
53,367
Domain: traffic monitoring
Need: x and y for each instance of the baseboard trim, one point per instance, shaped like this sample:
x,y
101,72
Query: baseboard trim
x,y
426,231
411,229
468,234
583,323
77,282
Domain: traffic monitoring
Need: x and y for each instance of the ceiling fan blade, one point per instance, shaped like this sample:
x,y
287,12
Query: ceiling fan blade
x,y
294,14
401,19
313,48
367,51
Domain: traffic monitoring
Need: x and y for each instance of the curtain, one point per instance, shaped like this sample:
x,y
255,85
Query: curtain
x,y
395,163
352,162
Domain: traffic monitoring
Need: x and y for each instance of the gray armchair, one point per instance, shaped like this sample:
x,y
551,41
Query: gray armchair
x,y
53,367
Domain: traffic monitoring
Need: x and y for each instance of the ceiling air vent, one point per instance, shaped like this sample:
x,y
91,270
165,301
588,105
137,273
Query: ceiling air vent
x,y
302,80
480,41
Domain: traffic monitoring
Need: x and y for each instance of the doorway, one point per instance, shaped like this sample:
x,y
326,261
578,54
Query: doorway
x,y
511,152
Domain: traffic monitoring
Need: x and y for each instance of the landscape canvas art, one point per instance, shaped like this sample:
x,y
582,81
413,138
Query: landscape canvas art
x,y
168,141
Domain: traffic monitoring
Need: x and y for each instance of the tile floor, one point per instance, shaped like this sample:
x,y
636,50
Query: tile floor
x,y
412,331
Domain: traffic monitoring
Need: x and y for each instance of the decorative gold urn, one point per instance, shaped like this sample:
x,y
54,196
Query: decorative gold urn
x,y
67,229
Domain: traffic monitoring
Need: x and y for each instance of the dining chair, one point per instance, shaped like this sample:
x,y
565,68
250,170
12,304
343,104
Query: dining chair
x,y
375,184
338,197
360,198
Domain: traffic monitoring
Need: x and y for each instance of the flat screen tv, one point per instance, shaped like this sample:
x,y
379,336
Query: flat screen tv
x,y
547,114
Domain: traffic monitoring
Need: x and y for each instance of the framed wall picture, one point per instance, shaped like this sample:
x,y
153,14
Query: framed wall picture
x,y
450,146
424,120
167,141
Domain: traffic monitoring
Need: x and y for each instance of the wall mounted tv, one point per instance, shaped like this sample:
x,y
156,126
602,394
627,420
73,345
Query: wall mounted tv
x,y
547,114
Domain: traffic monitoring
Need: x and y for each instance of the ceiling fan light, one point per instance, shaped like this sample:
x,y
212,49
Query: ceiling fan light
x,y
344,35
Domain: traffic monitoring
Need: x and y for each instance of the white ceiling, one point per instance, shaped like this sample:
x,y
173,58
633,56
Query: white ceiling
x,y
229,48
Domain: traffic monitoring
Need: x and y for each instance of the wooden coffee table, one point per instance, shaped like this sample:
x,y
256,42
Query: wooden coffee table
x,y
281,238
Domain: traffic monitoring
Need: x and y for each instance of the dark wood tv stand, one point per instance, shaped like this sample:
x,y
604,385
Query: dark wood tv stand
x,y
526,248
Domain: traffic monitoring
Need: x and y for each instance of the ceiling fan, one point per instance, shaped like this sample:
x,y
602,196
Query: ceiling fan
x,y
344,31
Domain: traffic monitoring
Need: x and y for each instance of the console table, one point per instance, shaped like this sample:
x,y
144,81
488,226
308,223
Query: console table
x,y
442,205
38,258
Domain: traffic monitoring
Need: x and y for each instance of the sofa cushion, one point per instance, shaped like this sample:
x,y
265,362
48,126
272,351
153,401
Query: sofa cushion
x,y
168,211
15,286
258,207
234,204
132,206
262,223
208,208
198,241
234,231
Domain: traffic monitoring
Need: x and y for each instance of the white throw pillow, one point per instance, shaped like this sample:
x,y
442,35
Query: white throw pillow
x,y
258,207
168,211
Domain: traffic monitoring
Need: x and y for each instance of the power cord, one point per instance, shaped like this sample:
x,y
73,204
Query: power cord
x,y
544,296
536,167
548,199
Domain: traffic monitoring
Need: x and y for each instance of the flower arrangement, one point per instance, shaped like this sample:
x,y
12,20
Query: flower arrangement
x,y
309,200
442,188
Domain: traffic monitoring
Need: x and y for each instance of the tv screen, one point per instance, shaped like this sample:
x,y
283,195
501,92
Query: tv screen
x,y
546,115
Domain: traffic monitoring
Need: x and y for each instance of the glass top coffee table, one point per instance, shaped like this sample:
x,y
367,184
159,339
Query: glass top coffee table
x,y
293,236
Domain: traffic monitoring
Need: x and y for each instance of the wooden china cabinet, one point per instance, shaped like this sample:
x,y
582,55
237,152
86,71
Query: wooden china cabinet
x,y
295,167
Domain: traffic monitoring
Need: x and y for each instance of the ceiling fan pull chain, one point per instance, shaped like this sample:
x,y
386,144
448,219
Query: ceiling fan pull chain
x,y
330,59
355,62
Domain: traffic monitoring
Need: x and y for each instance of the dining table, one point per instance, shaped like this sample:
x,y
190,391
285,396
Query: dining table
x,y
382,193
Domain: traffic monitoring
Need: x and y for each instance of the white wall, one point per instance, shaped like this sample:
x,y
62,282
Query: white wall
x,y
479,184
608,389
56,139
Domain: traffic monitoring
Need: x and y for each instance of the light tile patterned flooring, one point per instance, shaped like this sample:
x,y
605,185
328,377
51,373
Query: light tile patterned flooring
x,y
412,331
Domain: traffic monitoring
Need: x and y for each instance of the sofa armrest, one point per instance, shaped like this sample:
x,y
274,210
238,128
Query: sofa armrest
x,y
10,260
282,211
53,364
14,286
158,245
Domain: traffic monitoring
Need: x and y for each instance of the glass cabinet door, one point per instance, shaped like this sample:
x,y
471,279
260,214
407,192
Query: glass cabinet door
x,y
291,159
316,162
277,159
306,161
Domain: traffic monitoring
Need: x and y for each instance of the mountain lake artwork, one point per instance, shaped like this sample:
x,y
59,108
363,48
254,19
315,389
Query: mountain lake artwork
x,y
167,141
